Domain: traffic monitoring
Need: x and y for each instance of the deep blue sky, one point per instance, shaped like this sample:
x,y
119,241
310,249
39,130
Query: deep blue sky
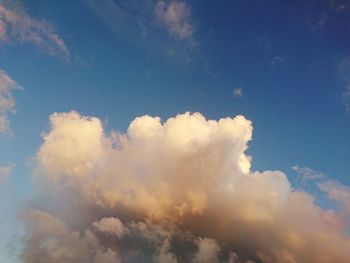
x,y
291,60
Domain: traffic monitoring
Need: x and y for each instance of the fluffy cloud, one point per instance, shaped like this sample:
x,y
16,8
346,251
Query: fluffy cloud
x,y
176,17
7,102
17,26
175,191
208,251
110,226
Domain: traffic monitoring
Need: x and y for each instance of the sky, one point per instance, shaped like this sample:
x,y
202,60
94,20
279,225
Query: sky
x,y
123,123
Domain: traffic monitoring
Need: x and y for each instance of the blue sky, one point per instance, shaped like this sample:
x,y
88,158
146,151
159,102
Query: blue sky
x,y
284,66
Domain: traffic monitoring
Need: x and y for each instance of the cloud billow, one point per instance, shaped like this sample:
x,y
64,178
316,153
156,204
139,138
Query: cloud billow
x,y
175,191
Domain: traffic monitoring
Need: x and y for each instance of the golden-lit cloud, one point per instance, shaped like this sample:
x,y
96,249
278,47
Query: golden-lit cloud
x,y
175,191
17,26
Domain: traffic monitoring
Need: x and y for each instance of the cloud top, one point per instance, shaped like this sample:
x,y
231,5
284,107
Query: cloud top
x,y
181,190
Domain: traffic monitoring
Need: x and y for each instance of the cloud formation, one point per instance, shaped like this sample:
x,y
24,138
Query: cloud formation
x,y
7,102
337,192
17,26
175,191
176,17
164,27
307,174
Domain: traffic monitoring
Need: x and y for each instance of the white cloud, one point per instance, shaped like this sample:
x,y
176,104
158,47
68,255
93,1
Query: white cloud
x,y
17,26
7,102
5,171
176,17
306,174
181,191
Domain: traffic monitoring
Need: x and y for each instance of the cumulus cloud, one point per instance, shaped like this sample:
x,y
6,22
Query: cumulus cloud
x,y
176,17
7,101
110,226
208,251
5,171
181,190
17,26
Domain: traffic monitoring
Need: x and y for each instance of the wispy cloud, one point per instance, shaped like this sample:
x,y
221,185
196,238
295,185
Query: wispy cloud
x,y
277,61
176,17
324,14
5,171
163,26
17,26
307,174
237,92
7,101
337,192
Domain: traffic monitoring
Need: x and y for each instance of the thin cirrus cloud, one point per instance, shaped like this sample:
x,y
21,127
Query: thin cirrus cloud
x,y
18,27
155,25
176,17
307,174
7,101
181,190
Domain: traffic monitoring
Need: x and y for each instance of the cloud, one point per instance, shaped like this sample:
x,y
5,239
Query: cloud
x,y
5,171
237,92
181,190
7,102
326,14
208,251
277,61
175,16
306,174
164,27
110,226
17,26
337,192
